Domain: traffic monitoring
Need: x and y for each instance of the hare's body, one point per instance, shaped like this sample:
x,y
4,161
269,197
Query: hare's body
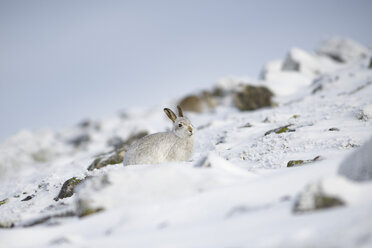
x,y
177,145
159,148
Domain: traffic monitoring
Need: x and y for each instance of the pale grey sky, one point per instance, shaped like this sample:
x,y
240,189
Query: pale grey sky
x,y
62,61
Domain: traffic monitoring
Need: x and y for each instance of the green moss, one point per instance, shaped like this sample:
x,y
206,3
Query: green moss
x,y
324,201
279,130
294,163
90,211
2,202
282,130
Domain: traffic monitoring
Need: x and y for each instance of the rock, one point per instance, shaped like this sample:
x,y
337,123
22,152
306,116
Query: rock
x,y
45,219
85,211
250,97
115,158
80,140
298,60
247,125
198,103
313,198
364,113
362,87
68,187
334,129
117,155
89,124
342,50
283,129
27,198
6,224
293,163
358,166
317,89
2,202
370,63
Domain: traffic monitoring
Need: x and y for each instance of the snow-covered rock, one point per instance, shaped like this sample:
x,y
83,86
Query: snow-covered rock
x,y
358,166
307,63
343,49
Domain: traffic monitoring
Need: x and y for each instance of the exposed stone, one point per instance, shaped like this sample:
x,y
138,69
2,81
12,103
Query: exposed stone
x,y
313,198
89,211
117,155
198,103
2,202
370,63
116,158
283,129
68,187
27,198
89,124
45,219
250,97
334,129
80,140
247,125
6,224
293,163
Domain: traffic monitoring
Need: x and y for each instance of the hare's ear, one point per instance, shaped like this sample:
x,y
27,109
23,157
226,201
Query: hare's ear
x,y
180,113
171,115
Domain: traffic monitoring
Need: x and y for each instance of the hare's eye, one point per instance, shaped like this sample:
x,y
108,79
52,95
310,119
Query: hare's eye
x,y
179,125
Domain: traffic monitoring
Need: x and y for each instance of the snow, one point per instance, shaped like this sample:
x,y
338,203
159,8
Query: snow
x,y
236,191
358,166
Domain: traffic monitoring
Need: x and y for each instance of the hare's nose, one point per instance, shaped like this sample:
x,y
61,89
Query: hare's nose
x,y
190,129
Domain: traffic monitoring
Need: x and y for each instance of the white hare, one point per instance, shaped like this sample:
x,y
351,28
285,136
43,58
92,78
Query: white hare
x,y
177,145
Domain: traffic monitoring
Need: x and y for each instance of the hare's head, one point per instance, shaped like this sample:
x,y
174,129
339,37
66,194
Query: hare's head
x,y
182,126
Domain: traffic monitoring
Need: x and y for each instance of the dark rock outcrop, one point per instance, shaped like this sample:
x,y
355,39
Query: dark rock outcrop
x,y
250,97
68,188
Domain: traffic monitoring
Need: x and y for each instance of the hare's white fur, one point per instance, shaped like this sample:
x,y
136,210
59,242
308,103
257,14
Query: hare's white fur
x,y
177,145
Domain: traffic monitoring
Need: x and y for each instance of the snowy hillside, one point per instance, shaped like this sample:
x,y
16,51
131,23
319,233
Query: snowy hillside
x,y
295,172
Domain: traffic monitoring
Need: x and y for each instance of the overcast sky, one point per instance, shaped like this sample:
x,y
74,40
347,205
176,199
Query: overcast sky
x,y
62,61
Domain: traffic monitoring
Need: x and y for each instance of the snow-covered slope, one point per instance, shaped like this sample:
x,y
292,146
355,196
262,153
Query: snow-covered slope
x,y
263,178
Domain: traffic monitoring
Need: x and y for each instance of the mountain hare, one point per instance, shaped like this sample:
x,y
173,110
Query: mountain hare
x,y
177,145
